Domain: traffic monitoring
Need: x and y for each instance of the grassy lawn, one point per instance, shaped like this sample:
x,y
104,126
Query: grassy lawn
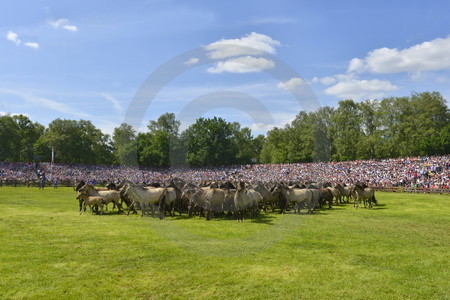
x,y
398,250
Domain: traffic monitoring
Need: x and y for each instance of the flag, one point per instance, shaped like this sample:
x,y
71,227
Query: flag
x,y
53,156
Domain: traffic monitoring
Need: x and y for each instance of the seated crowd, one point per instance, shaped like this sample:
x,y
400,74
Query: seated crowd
x,y
431,172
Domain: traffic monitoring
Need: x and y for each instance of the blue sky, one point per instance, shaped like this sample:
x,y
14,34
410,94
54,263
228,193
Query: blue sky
x,y
255,62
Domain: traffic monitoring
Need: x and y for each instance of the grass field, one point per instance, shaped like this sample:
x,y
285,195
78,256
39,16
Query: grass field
x,y
398,250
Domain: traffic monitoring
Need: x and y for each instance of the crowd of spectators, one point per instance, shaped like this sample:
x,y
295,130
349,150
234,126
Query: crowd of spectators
x,y
431,172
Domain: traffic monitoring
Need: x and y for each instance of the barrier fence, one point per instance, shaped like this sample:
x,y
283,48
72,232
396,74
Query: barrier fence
x,y
402,189
71,183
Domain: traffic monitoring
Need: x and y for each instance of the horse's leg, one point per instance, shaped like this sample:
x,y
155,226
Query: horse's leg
x,y
162,208
129,207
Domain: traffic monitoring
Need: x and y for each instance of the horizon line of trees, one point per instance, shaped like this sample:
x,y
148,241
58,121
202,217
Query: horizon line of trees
x,y
373,129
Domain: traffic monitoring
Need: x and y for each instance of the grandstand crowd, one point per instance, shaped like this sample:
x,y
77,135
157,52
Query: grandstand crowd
x,y
430,172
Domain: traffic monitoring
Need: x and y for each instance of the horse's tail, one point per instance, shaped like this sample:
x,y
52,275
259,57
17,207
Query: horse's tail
x,y
374,200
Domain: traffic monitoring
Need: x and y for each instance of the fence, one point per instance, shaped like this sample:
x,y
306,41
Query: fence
x,y
402,189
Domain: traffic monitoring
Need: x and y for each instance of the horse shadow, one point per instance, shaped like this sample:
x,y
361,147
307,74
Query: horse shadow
x,y
264,218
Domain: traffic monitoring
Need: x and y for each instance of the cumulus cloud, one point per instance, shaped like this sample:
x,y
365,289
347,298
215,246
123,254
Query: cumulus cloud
x,y
32,45
71,27
251,44
243,64
333,79
361,89
192,61
241,55
428,56
13,37
63,23
293,84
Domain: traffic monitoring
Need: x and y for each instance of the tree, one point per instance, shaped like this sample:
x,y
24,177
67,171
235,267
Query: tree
x,y
29,134
210,143
245,147
346,130
275,148
321,131
370,137
160,146
431,116
9,139
74,142
125,145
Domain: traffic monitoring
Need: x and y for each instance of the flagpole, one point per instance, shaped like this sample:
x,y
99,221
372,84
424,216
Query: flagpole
x,y
51,163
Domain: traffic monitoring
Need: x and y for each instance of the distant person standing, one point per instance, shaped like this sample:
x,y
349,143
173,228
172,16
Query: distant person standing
x,y
42,180
55,183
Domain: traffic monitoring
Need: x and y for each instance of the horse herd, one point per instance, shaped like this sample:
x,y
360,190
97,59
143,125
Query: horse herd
x,y
206,199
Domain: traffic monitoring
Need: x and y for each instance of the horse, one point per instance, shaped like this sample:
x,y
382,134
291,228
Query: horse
x,y
216,200
108,196
246,199
91,201
146,196
79,185
326,196
296,196
172,198
267,197
336,194
345,191
195,198
367,195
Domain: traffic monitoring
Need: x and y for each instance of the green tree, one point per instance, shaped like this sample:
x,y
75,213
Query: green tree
x,y
429,118
29,134
245,147
210,143
9,139
322,133
160,146
74,142
370,136
125,145
275,148
346,130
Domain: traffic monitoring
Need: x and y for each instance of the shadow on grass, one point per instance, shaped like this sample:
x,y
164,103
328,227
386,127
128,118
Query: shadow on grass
x,y
262,218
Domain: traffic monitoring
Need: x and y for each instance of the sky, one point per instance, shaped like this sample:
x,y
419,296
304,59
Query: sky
x,y
254,62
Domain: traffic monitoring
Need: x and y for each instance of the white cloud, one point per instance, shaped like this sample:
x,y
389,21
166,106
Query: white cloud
x,y
427,56
251,44
47,103
329,80
293,84
63,23
243,64
71,27
58,23
361,89
13,37
32,45
191,61
116,103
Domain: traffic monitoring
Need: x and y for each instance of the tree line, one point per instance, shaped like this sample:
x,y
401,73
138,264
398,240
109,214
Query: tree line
x,y
373,129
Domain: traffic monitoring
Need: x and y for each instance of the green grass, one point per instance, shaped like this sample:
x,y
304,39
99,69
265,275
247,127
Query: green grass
x,y
398,250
